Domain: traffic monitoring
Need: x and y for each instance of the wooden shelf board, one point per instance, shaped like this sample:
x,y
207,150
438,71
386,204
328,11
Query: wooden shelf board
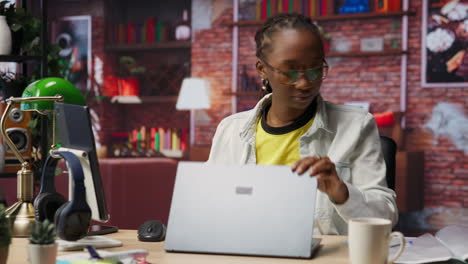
x,y
366,53
19,58
159,99
144,99
149,46
335,17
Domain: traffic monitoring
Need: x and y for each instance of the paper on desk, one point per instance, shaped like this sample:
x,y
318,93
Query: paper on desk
x,y
423,249
95,241
455,238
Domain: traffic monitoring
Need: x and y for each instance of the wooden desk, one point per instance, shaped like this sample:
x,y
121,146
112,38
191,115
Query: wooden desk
x,y
332,250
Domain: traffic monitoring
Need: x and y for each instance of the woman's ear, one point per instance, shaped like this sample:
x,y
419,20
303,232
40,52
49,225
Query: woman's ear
x,y
261,69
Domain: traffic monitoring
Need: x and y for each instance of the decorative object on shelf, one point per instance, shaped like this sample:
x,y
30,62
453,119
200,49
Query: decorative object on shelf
x,y
110,87
5,37
182,30
42,247
73,35
443,44
384,6
247,9
372,44
5,235
129,83
194,94
39,96
161,85
341,45
354,6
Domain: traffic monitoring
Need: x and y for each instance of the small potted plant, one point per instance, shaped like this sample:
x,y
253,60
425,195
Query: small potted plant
x,y
129,84
5,235
42,246
12,84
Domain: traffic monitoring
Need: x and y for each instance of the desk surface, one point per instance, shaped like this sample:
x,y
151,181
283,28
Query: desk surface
x,y
332,250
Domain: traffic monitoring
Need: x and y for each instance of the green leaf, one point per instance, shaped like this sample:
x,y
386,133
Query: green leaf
x,y
16,27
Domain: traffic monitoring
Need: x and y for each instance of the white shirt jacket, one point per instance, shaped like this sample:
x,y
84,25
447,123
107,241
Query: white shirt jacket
x,y
347,135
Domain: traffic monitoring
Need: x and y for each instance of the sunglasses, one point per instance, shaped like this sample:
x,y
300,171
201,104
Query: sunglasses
x,y
291,77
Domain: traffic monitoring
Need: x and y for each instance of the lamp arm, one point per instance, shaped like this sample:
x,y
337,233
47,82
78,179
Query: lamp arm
x,y
5,135
38,98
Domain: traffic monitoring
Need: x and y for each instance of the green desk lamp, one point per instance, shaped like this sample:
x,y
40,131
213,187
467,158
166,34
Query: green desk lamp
x,y
38,96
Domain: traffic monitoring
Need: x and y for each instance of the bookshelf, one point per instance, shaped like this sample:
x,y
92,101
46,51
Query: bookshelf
x,y
366,54
145,32
174,44
337,17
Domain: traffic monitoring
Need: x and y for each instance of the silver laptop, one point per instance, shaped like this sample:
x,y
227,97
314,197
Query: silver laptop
x,y
242,210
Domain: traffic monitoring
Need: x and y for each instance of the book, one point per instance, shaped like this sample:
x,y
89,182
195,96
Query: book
x,y
449,243
95,241
150,29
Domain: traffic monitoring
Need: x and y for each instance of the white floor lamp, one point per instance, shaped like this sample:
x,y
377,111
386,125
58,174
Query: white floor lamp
x,y
194,94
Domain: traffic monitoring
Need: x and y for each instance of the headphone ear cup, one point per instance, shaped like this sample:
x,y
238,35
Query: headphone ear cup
x,y
46,204
71,224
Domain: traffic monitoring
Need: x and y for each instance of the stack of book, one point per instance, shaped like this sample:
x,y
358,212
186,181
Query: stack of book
x,y
171,142
311,8
152,30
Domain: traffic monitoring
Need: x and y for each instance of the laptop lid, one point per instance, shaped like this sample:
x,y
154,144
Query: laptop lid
x,y
241,209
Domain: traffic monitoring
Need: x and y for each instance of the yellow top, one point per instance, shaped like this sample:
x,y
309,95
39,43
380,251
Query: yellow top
x,y
278,149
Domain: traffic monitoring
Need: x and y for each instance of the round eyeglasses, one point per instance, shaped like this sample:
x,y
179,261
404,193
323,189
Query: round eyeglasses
x,y
291,77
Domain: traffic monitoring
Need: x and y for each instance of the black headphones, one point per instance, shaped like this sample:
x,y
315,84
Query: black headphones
x,y
72,219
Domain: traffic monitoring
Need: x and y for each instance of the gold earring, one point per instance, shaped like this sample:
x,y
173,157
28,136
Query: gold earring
x,y
264,84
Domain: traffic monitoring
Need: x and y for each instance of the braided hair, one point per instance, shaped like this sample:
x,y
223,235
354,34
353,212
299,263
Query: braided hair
x,y
279,22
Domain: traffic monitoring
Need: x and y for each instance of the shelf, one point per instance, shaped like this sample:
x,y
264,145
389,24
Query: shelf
x,y
19,58
143,99
149,46
365,53
335,17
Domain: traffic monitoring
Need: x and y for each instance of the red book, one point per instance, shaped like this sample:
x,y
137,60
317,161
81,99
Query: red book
x,y
323,7
285,6
150,29
152,134
183,140
264,9
130,33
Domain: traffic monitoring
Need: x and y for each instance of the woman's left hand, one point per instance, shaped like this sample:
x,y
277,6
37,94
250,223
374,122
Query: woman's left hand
x,y
327,177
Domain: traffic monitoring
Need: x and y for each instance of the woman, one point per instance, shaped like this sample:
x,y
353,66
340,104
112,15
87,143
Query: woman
x,y
292,125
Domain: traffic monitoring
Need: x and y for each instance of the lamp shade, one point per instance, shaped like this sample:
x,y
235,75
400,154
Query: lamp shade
x,y
51,87
194,94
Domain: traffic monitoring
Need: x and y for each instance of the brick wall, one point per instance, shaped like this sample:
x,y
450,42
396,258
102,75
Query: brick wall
x,y
372,79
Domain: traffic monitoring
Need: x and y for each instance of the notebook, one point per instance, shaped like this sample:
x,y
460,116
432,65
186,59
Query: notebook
x,y
242,210
448,245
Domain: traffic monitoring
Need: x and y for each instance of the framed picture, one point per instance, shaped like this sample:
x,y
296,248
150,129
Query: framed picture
x,y
444,43
73,35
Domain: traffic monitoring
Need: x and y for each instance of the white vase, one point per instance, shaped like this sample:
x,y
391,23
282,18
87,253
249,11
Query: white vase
x,y
5,37
42,254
